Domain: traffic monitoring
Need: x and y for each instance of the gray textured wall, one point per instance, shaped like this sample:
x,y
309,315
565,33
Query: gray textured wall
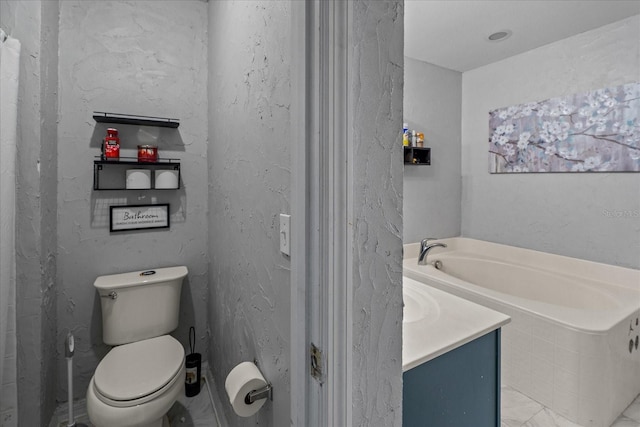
x,y
376,75
250,179
432,194
563,213
131,57
137,57
35,25
49,205
249,176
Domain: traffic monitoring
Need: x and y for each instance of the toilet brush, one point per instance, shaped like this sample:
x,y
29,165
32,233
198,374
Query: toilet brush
x,y
193,363
68,350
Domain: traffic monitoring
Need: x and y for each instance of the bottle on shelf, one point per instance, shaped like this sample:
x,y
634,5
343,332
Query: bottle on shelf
x,y
111,148
405,134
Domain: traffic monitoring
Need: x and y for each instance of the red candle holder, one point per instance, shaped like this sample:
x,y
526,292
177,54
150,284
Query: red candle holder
x,y
147,153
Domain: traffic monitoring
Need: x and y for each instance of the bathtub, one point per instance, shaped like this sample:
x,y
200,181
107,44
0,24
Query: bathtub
x,y
572,343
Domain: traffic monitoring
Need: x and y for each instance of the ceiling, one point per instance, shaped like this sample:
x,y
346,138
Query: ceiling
x,y
453,33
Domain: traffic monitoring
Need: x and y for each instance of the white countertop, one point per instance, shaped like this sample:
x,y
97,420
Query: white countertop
x,y
444,322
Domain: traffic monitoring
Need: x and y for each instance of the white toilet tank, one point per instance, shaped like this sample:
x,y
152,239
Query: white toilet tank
x,y
141,304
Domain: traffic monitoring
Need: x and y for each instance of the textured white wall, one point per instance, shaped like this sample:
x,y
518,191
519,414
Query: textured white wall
x,y
49,200
249,184
137,57
563,213
376,75
34,23
432,194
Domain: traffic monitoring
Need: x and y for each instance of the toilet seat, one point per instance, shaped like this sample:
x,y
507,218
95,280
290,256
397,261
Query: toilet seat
x,y
135,373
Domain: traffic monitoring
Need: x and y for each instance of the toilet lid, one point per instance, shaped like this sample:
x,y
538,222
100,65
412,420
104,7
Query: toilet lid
x,y
134,370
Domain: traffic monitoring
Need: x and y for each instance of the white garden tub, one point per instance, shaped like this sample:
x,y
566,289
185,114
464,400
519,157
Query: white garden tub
x,y
571,344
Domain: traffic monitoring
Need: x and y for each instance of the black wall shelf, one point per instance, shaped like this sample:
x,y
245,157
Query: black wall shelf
x,y
128,119
115,171
417,156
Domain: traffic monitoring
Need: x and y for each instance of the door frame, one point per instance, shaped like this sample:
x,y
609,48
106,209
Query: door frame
x,y
321,205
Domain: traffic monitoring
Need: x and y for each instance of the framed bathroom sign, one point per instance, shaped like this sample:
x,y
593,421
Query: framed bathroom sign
x,y
138,217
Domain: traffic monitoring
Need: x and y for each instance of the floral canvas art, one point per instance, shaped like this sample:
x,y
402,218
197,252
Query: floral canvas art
x,y
596,131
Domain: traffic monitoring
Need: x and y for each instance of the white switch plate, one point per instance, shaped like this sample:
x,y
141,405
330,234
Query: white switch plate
x,y
285,239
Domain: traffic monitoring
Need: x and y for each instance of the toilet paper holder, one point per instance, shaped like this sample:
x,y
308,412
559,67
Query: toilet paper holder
x,y
262,393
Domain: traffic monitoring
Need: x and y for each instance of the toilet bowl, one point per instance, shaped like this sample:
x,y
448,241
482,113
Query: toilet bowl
x,y
136,384
141,377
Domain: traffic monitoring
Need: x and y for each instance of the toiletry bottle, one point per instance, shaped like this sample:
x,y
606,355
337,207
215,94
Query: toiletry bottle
x,y
112,145
414,138
405,134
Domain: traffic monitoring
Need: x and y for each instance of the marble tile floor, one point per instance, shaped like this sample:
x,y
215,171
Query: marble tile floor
x,y
197,411
194,411
518,410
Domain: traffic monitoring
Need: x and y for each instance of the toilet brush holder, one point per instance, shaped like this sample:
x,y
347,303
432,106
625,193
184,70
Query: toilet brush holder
x,y
193,365
69,349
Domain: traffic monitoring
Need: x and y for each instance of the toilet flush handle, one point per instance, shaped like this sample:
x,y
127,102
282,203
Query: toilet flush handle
x,y
112,295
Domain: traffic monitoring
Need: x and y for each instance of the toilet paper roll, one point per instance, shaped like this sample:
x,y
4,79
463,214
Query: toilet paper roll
x,y
138,179
242,379
166,178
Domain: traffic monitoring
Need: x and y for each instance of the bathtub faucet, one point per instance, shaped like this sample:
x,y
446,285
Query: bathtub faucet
x,y
425,247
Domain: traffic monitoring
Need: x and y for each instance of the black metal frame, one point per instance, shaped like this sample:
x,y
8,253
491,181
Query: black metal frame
x,y
100,163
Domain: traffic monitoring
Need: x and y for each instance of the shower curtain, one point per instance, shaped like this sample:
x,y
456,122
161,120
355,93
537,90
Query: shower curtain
x,y
9,69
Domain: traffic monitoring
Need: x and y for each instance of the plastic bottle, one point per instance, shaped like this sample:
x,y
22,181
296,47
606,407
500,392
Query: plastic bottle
x,y
405,134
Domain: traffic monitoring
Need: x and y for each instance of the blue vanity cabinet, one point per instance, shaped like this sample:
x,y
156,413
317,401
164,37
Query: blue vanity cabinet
x,y
460,388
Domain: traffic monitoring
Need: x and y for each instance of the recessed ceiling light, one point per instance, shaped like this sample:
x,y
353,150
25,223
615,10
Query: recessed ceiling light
x,y
499,36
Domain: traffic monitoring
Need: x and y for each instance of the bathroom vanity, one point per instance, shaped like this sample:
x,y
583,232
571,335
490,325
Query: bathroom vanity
x,y
450,359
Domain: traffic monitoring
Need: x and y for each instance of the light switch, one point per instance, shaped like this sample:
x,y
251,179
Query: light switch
x,y
285,238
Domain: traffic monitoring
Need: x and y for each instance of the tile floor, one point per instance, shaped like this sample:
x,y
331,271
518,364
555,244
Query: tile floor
x,y
517,409
520,411
194,411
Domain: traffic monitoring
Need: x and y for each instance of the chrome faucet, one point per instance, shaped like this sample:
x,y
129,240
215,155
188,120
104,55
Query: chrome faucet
x,y
425,247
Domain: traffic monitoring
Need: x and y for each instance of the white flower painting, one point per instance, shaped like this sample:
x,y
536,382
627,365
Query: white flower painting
x,y
597,131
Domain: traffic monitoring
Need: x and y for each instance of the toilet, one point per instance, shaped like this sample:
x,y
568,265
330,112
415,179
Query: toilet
x,y
143,375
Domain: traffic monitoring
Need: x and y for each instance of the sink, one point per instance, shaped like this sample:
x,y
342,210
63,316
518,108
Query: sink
x,y
419,306
436,322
